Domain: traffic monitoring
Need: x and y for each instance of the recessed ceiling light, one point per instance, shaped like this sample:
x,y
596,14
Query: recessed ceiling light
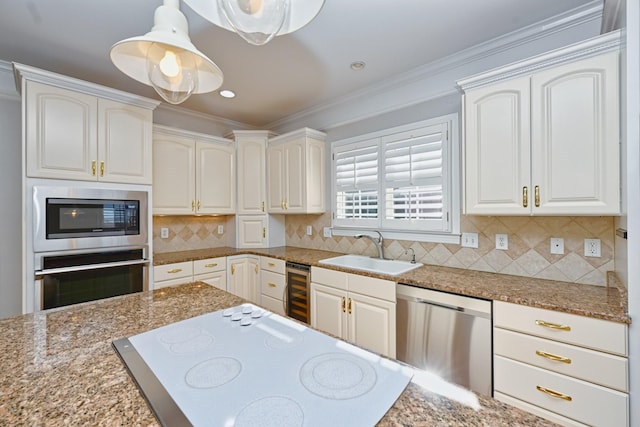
x,y
357,66
227,93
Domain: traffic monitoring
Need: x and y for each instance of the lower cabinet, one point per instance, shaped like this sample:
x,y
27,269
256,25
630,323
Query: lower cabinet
x,y
356,308
244,277
211,271
570,369
272,284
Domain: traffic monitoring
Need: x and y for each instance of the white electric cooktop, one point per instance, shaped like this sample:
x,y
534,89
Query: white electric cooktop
x,y
246,366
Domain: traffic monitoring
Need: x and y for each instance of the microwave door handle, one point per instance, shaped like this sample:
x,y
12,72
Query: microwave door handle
x,y
40,273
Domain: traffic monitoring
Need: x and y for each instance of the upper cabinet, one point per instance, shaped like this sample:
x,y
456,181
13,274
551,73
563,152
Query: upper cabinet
x,y
79,131
296,173
544,142
251,147
192,173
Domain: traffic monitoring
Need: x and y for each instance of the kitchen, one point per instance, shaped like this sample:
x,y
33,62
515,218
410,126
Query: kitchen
x,y
188,233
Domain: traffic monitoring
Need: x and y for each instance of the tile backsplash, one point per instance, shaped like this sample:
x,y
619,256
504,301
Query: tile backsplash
x,y
529,252
189,232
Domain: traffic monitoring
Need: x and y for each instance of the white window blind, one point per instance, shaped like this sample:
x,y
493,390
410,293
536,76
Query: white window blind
x,y
414,178
399,180
356,181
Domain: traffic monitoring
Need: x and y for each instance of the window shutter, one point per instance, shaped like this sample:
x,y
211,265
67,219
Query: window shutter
x,y
356,180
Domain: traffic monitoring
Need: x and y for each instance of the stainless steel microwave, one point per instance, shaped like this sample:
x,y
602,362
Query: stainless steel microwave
x,y
67,218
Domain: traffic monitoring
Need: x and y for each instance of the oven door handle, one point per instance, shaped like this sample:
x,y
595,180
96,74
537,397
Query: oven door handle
x,y
59,270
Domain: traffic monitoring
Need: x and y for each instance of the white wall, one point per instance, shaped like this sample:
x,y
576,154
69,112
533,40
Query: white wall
x,y
10,205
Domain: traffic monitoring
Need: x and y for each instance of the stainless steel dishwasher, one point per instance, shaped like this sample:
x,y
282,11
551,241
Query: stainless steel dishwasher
x,y
446,334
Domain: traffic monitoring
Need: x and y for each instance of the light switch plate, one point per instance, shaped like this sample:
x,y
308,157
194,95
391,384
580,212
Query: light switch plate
x,y
220,229
309,230
469,240
327,231
164,233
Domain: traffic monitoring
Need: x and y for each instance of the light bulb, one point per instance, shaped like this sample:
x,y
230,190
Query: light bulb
x,y
250,6
169,64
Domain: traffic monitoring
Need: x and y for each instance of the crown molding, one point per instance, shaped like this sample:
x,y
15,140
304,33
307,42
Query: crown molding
x,y
7,85
183,133
543,29
216,120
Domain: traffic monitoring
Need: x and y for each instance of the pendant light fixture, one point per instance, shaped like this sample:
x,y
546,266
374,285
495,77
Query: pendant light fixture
x,y
258,21
165,58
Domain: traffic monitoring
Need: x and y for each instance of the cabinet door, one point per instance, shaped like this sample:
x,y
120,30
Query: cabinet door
x,y
328,310
244,278
217,279
575,138
173,175
372,324
61,133
253,287
251,231
497,149
315,177
215,179
295,178
251,177
124,143
275,179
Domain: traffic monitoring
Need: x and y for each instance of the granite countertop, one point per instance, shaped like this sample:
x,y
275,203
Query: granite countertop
x,y
601,302
58,366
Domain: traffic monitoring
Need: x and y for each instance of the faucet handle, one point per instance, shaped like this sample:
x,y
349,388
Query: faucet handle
x,y
413,255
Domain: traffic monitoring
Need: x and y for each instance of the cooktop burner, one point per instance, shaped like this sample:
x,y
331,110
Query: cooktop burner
x,y
245,366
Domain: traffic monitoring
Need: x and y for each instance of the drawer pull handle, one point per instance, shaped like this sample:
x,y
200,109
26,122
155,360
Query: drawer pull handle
x,y
350,305
272,285
554,393
215,264
536,195
553,325
174,270
344,303
525,197
272,264
553,357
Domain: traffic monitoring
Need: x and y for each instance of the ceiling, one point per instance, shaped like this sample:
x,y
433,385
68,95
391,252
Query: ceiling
x,y
291,73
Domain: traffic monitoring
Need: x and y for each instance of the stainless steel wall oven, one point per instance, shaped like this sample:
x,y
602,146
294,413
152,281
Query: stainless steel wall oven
x,y
88,244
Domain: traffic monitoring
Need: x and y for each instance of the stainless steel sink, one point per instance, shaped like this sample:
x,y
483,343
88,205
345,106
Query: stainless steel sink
x,y
374,265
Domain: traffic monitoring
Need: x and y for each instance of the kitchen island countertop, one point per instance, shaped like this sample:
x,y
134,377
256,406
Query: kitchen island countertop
x,y
58,366
601,302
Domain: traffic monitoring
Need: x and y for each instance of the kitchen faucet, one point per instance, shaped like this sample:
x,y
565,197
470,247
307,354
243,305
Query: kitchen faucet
x,y
377,242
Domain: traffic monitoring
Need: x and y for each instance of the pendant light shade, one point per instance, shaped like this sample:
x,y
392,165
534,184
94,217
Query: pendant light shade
x,y
258,21
165,58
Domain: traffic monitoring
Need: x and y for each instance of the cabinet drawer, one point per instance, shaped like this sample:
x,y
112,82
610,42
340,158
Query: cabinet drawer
x,y
272,284
272,264
373,287
593,366
217,279
272,304
173,271
588,332
171,282
209,265
333,278
589,403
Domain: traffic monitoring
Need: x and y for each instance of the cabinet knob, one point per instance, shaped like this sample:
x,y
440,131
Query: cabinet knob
x,y
233,269
525,197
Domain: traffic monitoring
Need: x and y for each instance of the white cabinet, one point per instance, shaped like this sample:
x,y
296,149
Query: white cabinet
x,y
295,173
244,277
356,308
192,173
570,369
273,284
212,271
81,136
545,143
251,150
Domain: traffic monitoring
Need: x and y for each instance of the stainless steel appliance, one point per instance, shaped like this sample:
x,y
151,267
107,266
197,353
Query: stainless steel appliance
x,y
447,334
297,293
69,218
72,277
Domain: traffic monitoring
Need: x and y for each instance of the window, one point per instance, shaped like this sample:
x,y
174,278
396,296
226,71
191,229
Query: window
x,y
400,180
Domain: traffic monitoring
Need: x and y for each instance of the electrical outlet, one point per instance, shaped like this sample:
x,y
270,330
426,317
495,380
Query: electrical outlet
x,y
164,233
327,231
557,245
220,229
502,242
469,240
592,248
309,230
